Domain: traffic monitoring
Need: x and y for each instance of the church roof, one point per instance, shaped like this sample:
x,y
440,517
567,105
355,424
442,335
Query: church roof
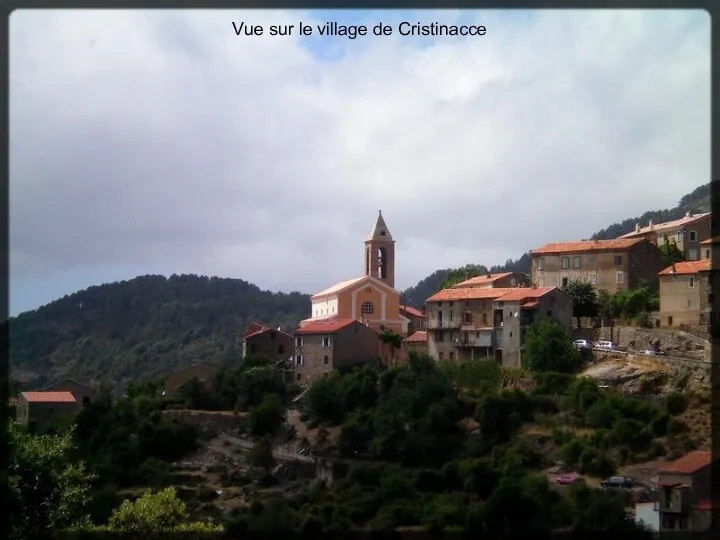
x,y
350,282
380,230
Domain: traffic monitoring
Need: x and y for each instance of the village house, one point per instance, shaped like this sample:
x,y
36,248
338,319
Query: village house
x,y
42,408
82,392
706,247
684,493
687,233
501,280
416,342
271,343
413,320
333,345
201,371
478,323
610,265
686,296
372,298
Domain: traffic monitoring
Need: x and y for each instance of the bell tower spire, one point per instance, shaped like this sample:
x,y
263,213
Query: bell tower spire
x,y
380,252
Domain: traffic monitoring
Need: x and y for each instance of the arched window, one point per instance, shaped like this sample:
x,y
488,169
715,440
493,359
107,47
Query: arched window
x,y
367,308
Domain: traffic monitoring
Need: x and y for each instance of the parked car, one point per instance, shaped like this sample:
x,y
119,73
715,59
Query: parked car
x,y
617,482
655,352
582,344
568,479
608,345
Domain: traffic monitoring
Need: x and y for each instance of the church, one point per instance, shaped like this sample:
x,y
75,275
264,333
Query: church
x,y
371,298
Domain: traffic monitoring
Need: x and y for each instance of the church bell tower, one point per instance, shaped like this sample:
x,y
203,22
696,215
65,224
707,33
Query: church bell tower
x,y
380,253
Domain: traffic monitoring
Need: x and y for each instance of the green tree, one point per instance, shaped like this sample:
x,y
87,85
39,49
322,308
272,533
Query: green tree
x,y
261,454
584,299
670,253
548,347
48,490
267,417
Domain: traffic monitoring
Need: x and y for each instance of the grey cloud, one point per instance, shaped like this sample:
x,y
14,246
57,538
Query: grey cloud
x,y
162,140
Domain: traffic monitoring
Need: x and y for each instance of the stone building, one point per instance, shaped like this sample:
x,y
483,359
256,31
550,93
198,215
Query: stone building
x,y
333,345
42,408
686,296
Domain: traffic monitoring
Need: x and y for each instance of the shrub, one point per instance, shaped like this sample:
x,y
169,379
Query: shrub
x,y
675,403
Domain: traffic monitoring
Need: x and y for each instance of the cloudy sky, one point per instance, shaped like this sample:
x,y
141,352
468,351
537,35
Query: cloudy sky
x,y
161,142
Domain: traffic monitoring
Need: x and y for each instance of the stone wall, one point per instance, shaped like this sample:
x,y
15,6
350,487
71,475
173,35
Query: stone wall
x,y
674,342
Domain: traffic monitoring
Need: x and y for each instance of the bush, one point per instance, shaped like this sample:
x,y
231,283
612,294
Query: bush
x,y
676,403
267,417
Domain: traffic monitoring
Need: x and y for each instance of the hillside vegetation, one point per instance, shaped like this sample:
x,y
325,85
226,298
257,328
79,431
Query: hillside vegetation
x,y
143,327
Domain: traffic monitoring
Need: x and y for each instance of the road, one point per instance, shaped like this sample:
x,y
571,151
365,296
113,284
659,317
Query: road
x,y
279,454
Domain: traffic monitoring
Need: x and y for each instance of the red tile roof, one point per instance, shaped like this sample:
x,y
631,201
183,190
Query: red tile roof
x,y
586,246
689,463
49,397
412,311
687,267
714,240
667,225
499,294
530,304
477,281
417,337
254,329
328,326
708,505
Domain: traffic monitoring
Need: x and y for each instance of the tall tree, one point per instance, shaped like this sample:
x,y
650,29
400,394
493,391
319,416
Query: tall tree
x,y
548,347
584,299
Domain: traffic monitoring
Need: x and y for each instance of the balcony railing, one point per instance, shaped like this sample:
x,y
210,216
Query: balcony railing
x,y
442,325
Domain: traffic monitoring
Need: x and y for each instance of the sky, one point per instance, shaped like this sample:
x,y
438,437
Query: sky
x,y
161,142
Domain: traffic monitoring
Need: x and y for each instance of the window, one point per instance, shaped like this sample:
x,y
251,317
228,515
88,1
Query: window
x,y
618,261
441,355
590,261
592,278
619,277
452,356
441,336
326,341
691,282
707,253
298,341
679,236
272,335
693,254
86,399
450,316
549,313
450,304
299,360
576,262
541,264
281,348
565,263
692,236
253,348
564,282
326,359
439,304
367,308
299,376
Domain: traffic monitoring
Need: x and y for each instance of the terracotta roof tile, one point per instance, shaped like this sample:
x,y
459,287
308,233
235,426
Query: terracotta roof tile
x,y
710,241
417,337
686,220
589,246
687,267
255,329
689,463
499,294
477,281
49,397
412,311
327,326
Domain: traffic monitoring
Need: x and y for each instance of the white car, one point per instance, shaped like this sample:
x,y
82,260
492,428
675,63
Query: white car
x,y
581,344
607,345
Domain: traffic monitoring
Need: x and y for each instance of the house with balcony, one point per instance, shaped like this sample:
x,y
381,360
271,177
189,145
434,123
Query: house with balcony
x,y
465,324
686,233
684,493
686,296
610,265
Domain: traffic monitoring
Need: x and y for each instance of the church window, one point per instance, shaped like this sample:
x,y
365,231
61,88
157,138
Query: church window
x,y
367,308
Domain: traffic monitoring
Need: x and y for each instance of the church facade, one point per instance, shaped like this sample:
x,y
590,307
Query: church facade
x,y
371,298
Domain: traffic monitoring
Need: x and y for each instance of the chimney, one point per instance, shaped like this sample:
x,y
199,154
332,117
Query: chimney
x,y
488,275
650,225
688,214
637,227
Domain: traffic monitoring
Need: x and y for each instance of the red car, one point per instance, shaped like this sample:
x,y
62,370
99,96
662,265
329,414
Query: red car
x,y
567,479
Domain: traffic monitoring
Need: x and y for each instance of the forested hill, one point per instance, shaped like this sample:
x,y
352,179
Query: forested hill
x,y
142,327
694,202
